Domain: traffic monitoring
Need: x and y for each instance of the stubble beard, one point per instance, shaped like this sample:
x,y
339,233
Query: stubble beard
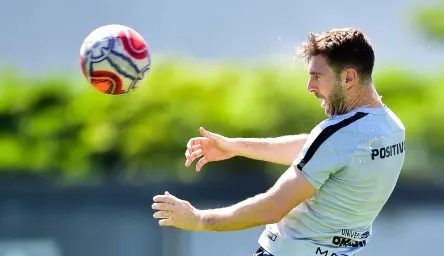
x,y
337,101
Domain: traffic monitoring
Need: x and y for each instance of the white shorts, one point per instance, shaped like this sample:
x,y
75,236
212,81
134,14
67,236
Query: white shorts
x,y
279,246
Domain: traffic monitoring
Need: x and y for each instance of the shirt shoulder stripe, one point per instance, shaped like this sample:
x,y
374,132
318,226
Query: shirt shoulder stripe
x,y
325,134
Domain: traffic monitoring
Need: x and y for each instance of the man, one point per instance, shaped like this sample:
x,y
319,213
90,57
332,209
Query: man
x,y
340,175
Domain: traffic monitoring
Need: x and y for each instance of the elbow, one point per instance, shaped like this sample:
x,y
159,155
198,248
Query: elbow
x,y
275,218
274,215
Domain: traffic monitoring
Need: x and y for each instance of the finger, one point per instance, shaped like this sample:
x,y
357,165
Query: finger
x,y
196,154
193,156
188,162
172,196
165,199
162,207
162,214
187,153
195,148
167,222
194,141
190,151
190,143
201,163
209,135
204,132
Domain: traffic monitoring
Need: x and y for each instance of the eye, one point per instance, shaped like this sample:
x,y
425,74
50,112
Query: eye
x,y
315,77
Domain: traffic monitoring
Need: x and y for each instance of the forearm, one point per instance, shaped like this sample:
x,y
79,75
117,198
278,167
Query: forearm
x,y
279,150
253,212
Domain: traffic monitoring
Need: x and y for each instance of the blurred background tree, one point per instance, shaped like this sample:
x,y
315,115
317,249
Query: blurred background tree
x,y
429,20
63,127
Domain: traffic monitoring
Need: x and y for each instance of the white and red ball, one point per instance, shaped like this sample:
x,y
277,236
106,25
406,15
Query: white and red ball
x,y
115,59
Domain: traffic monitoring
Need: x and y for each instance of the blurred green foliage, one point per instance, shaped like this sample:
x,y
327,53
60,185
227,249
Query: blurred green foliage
x,y
64,127
429,20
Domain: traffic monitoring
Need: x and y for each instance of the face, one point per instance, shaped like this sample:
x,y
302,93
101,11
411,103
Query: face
x,y
326,86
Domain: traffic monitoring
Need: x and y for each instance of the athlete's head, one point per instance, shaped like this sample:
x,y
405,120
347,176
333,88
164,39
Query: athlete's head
x,y
340,63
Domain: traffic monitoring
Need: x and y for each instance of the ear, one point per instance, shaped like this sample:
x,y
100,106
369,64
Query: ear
x,y
350,78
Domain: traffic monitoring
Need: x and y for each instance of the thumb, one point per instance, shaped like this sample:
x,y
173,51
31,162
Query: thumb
x,y
209,134
172,196
168,194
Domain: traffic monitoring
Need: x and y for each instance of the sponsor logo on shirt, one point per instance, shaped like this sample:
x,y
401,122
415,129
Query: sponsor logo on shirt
x,y
325,252
352,234
347,242
271,236
388,151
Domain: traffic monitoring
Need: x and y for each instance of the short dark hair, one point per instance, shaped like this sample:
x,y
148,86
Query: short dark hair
x,y
342,48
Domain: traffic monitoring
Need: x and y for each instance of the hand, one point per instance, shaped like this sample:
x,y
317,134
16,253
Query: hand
x,y
174,212
211,147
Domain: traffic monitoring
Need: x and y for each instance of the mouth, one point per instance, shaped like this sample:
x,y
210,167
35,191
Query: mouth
x,y
324,104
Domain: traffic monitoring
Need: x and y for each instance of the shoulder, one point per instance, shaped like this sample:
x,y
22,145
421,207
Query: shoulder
x,y
328,148
396,120
341,129
332,137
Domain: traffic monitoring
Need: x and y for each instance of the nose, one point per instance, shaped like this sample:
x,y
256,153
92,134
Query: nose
x,y
311,87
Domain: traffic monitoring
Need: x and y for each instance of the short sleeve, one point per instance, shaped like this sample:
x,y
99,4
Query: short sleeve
x,y
318,160
327,150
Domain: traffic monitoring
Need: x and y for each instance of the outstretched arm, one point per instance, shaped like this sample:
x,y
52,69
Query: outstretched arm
x,y
266,208
279,150
216,147
269,207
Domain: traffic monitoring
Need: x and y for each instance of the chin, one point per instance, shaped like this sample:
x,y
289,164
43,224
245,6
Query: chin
x,y
326,109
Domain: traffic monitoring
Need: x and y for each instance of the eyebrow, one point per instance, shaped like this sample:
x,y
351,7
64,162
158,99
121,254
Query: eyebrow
x,y
315,73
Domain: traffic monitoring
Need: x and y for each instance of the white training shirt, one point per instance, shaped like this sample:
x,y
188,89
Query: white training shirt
x,y
354,160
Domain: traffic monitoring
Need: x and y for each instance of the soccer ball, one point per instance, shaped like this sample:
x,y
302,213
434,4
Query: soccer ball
x,y
115,59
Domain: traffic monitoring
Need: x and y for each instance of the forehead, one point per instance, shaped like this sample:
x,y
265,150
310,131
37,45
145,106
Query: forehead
x,y
318,64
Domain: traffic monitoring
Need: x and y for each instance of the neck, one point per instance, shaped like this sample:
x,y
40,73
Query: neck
x,y
367,97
